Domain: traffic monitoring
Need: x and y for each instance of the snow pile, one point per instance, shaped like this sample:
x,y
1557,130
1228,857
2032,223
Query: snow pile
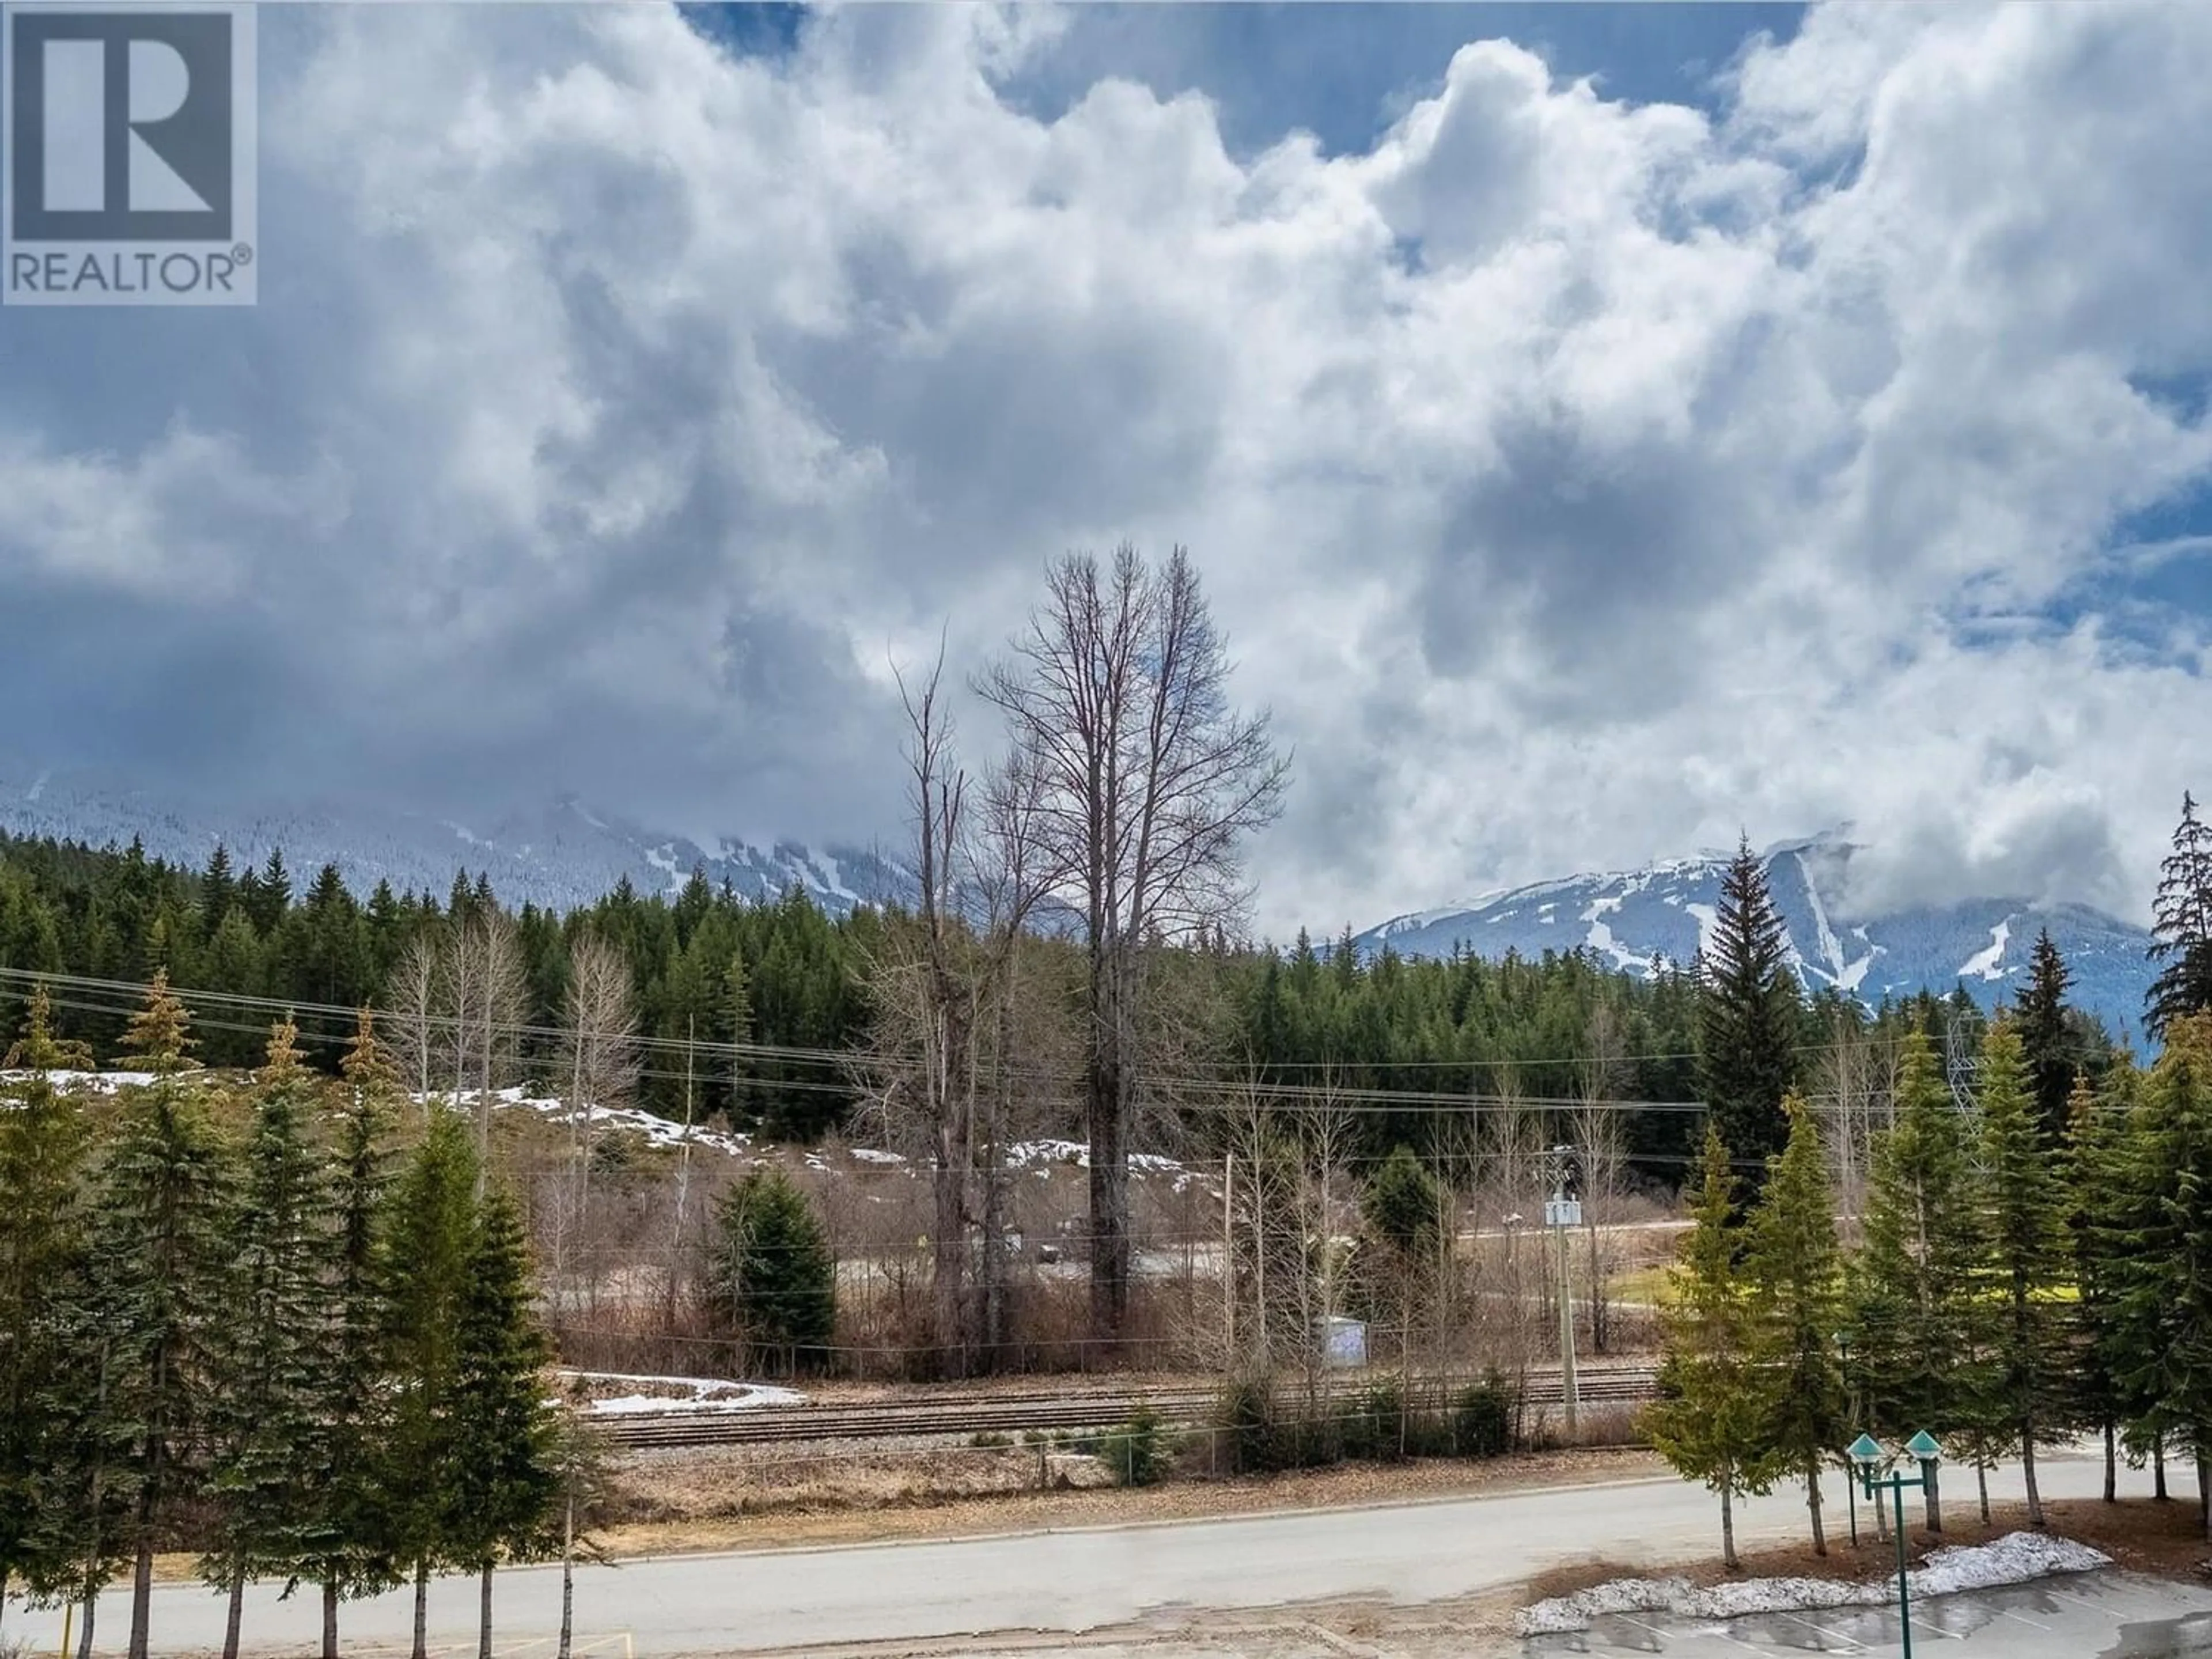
x,y
686,1394
871,1155
2015,1558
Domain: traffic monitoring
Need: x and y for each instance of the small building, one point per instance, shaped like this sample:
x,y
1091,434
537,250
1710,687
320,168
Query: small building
x,y
1343,1342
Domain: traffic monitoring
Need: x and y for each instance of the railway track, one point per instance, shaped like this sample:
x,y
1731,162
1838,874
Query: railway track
x,y
1013,1414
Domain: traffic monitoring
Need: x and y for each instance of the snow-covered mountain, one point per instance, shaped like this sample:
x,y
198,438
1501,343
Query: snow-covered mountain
x,y
1630,919
561,855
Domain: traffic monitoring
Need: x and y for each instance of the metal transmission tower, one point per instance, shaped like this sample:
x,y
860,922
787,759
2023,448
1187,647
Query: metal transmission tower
x,y
1962,1060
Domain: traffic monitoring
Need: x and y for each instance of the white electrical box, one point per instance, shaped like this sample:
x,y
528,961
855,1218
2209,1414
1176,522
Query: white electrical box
x,y
1563,1212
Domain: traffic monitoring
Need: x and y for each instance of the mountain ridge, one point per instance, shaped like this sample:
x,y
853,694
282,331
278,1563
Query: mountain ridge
x,y
569,853
1638,920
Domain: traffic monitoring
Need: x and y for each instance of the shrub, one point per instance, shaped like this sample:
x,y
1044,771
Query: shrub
x,y
989,1440
1138,1451
1482,1419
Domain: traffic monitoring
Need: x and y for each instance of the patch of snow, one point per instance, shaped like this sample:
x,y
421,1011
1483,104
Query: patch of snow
x,y
102,1083
660,1131
38,786
1707,919
1984,963
1600,937
2017,1559
825,870
874,1155
663,859
1023,1153
704,1394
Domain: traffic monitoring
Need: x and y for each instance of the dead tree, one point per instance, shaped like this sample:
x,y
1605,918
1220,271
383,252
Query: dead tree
x,y
1116,696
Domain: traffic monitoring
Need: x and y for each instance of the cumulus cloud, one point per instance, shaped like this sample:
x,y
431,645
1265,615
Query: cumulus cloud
x,y
1579,480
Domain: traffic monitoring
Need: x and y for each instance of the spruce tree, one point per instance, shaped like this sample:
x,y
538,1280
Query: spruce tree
x,y
1922,1266
2165,1271
505,1485
44,1142
2181,925
423,1266
773,1272
269,1351
1709,1421
160,1253
1748,1014
1794,1272
351,1554
2096,1181
2046,1039
2032,1347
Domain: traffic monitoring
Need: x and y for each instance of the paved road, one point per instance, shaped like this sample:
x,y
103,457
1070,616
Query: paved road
x,y
1062,1581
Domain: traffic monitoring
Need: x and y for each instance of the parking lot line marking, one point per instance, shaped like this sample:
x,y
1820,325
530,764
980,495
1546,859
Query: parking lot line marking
x,y
2020,1618
2069,1595
1855,1645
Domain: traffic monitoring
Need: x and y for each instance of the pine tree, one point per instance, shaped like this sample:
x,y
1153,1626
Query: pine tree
x,y
2181,925
423,1268
2027,1202
351,1524
1709,1421
1922,1266
159,1256
44,1141
1795,1272
506,1486
1748,1014
269,1349
2046,1039
772,1272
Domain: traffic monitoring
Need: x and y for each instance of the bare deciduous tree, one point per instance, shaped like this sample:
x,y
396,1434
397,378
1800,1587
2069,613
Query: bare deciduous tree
x,y
945,1052
601,1039
1596,1126
412,997
1149,782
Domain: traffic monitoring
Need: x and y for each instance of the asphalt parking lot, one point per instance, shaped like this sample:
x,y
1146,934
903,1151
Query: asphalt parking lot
x,y
2106,1615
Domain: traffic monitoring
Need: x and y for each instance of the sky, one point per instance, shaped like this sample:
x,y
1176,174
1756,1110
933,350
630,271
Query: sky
x,y
1601,430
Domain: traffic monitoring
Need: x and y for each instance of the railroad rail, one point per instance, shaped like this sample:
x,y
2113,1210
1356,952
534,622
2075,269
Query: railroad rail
x,y
1012,1414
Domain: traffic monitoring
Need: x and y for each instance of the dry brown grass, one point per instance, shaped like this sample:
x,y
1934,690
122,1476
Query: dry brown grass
x,y
704,1509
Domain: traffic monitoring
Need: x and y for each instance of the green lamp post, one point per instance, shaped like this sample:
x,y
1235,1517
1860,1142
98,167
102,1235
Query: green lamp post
x,y
1866,1455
